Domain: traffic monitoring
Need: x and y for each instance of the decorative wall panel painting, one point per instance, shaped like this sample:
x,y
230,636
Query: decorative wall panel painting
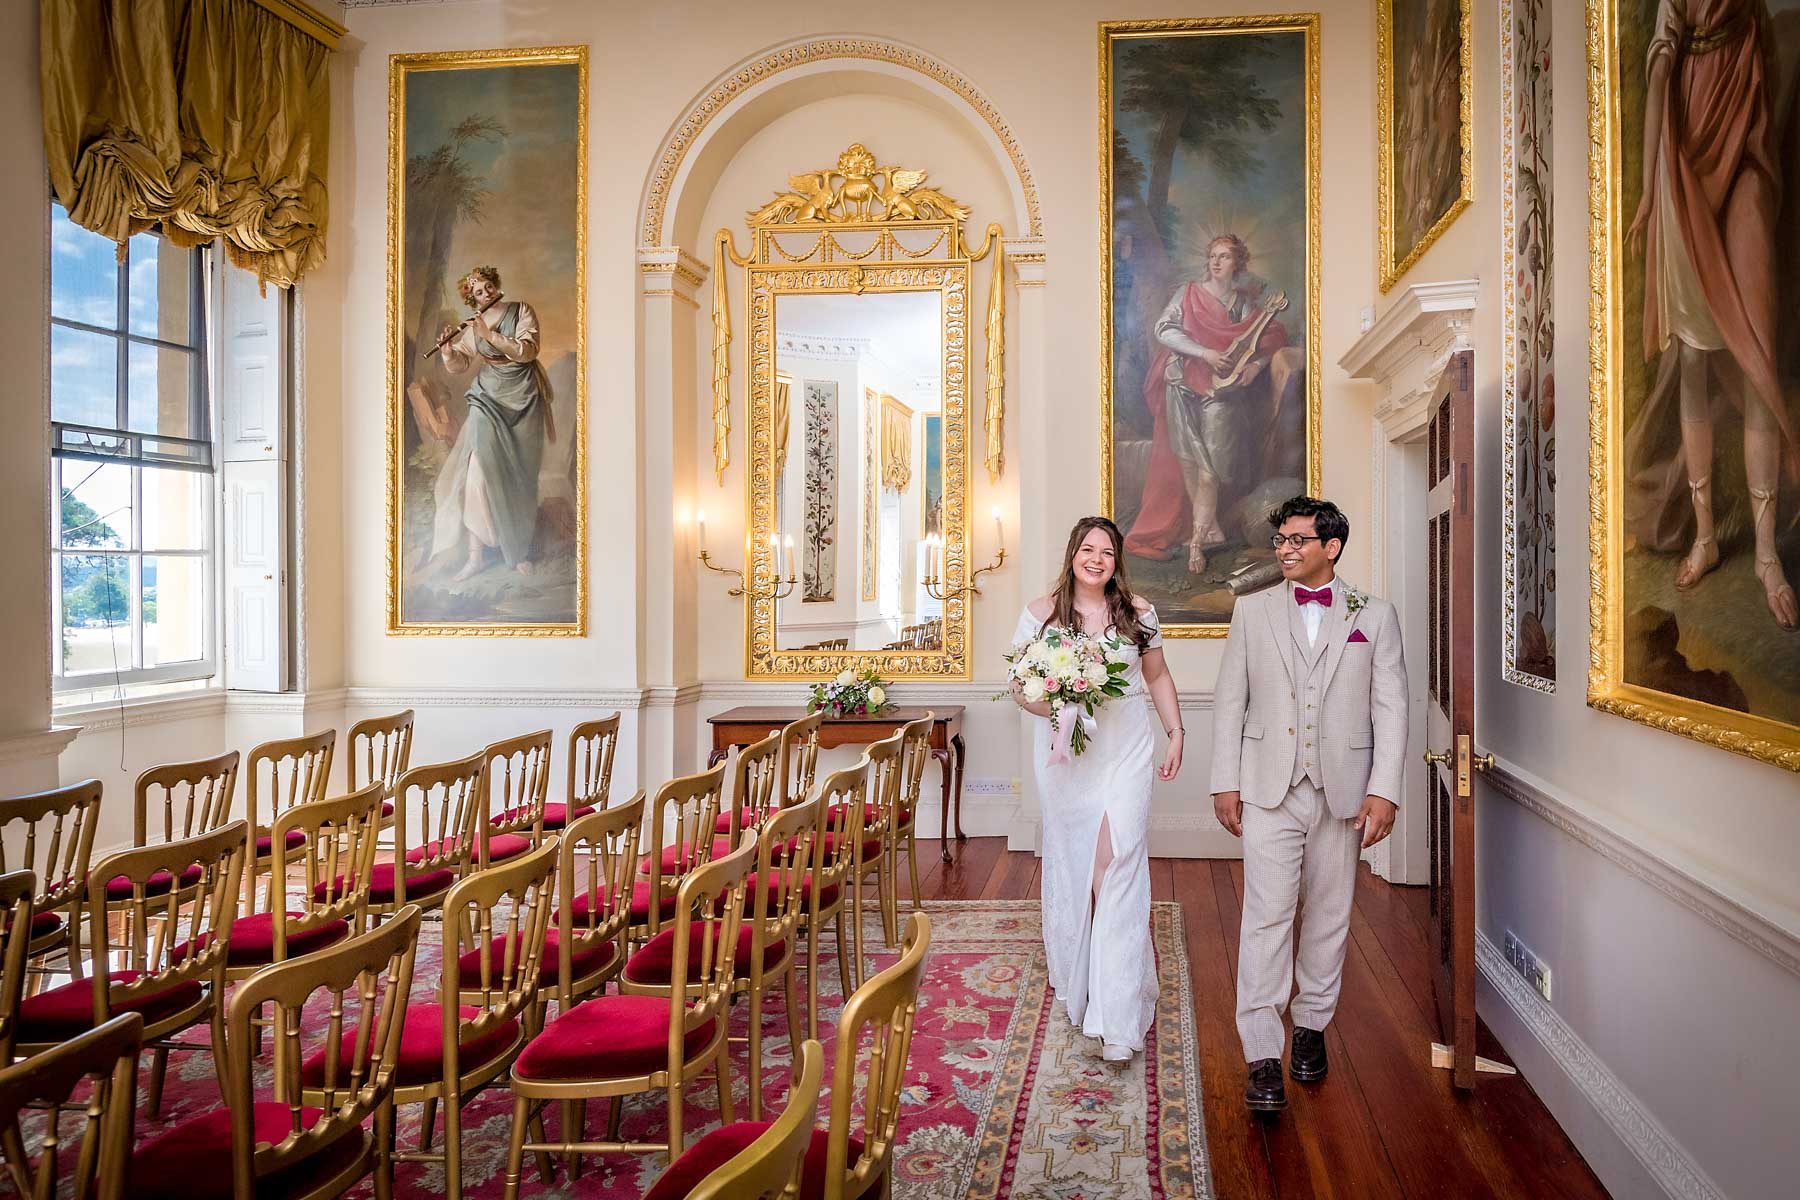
x,y
1528,392
818,572
1209,163
1695,356
1425,121
871,505
933,452
486,241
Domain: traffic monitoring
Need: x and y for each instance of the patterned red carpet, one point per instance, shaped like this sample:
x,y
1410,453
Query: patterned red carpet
x,y
1004,1098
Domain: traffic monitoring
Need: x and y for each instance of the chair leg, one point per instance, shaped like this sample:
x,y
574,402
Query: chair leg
x,y
722,1067
515,1149
453,1147
616,1119
427,1124
221,1067
755,1040
912,862
676,1100
573,1118
384,1150
856,934
889,902
793,1018
812,981
545,1164
843,957
159,1066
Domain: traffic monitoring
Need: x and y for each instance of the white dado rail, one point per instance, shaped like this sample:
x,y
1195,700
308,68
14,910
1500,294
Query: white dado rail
x,y
1404,353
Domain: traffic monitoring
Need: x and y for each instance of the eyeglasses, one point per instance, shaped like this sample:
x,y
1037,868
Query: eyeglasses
x,y
1296,540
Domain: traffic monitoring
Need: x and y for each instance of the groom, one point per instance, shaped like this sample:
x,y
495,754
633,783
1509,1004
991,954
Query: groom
x,y
1309,730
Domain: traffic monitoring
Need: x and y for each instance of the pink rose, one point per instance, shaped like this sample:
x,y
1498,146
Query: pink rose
x,y
1080,685
1052,684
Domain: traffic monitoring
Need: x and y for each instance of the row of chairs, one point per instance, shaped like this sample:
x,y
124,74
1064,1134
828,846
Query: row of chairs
x,y
851,823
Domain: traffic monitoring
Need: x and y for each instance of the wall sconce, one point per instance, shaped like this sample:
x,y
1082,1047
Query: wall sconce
x,y
934,565
781,589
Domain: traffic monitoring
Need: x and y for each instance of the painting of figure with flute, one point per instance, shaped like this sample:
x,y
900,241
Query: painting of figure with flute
x,y
486,435
1209,292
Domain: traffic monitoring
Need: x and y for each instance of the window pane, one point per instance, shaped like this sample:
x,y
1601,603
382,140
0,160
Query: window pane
x,y
175,509
84,273
96,624
174,610
84,377
157,293
161,395
96,505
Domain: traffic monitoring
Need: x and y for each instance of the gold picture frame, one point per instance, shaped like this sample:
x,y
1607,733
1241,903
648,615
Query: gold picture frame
x,y
1395,259
1110,32
1768,740
402,351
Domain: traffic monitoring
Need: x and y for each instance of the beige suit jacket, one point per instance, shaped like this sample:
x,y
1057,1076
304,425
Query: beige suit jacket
x,y
1256,705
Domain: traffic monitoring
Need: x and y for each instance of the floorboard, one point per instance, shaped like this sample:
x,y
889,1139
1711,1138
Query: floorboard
x,y
1384,1123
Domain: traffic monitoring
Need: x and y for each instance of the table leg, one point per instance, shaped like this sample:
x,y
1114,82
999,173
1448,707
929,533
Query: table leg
x,y
943,762
961,764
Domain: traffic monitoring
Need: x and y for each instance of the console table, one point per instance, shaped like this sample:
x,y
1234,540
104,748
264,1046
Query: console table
x,y
742,726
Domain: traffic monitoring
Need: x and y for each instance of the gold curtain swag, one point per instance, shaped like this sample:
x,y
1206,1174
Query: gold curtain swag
x,y
896,444
208,118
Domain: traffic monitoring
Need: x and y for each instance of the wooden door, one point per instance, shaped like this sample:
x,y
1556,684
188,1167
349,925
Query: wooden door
x,y
1450,717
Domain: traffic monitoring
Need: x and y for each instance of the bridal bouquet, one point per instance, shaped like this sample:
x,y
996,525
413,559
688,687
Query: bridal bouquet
x,y
851,693
1076,673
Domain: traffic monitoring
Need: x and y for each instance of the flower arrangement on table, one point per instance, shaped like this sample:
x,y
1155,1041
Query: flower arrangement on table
x,y
1077,673
851,694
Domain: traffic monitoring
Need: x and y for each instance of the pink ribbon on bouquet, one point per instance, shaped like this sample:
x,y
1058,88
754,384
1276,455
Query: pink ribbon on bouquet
x,y
1062,733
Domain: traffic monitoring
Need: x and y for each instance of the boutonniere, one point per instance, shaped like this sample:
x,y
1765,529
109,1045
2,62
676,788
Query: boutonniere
x,y
1353,602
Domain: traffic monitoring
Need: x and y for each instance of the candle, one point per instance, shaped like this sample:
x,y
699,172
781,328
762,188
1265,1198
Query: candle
x,y
700,520
999,531
788,544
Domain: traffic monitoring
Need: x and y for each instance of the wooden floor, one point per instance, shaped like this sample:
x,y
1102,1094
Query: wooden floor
x,y
1384,1123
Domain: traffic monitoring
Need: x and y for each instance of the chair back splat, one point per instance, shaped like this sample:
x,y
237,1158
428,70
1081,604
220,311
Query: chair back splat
x,y
105,1058
588,787
54,833
518,779
799,757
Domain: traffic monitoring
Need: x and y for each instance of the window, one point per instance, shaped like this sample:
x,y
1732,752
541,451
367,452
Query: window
x,y
133,465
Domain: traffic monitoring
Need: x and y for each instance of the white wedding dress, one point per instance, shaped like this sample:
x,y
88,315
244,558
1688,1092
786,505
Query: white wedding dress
x,y
1102,968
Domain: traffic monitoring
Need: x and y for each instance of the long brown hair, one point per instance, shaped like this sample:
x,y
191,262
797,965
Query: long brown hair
x,y
1121,603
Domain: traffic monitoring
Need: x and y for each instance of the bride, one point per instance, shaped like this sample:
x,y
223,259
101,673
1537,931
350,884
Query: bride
x,y
1096,809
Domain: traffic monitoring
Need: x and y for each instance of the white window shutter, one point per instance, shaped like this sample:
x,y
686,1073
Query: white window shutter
x,y
252,343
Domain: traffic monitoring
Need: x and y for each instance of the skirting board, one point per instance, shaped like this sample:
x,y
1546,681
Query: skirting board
x,y
1625,1145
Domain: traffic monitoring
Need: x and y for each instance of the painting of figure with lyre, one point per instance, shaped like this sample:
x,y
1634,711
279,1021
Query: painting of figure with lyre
x,y
1210,313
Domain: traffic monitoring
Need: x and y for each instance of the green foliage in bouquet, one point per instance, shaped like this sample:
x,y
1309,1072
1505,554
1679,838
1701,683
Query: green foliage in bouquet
x,y
851,694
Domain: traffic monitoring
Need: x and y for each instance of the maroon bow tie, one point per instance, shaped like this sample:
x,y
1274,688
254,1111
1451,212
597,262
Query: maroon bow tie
x,y
1321,597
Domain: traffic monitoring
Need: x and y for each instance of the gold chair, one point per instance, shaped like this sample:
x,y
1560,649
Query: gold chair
x,y
751,1160
334,842
753,782
875,848
277,776
56,847
450,1050
302,1141
682,819
166,958
379,750
436,808
595,865
617,1046
518,780
191,798
106,1058
799,758
591,748
841,798
17,906
917,737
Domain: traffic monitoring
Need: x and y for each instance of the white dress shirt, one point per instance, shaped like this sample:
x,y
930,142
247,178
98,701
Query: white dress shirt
x,y
1314,614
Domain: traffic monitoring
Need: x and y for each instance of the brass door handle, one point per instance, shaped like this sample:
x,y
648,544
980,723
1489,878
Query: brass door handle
x,y
1483,762
1437,758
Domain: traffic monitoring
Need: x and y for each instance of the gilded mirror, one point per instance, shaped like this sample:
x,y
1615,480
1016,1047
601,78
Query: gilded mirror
x,y
858,311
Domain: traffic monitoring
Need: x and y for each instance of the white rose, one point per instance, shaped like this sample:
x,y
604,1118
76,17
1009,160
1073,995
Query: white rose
x,y
1095,674
1034,690
845,678
877,697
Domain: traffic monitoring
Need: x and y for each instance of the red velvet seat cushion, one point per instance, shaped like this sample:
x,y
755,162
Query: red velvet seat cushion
x,y
45,923
119,886
387,809
421,1047
419,854
502,846
62,1012
681,858
192,1161
381,884
253,939
723,824
265,845
582,962
777,879
654,962
556,816
871,847
608,1037
725,1143
640,905
871,812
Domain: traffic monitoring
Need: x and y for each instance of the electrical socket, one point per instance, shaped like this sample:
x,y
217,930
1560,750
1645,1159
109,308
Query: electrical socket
x,y
991,787
1530,967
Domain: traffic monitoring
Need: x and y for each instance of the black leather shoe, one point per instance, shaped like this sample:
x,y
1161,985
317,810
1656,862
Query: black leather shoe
x,y
1307,1061
1265,1092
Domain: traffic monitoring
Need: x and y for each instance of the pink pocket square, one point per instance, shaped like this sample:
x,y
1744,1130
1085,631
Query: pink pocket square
x,y
1356,635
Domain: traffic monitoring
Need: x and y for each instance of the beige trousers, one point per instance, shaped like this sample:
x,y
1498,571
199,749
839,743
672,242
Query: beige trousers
x,y
1296,849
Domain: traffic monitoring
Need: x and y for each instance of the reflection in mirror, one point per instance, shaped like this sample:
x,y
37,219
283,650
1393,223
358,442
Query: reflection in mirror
x,y
858,402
